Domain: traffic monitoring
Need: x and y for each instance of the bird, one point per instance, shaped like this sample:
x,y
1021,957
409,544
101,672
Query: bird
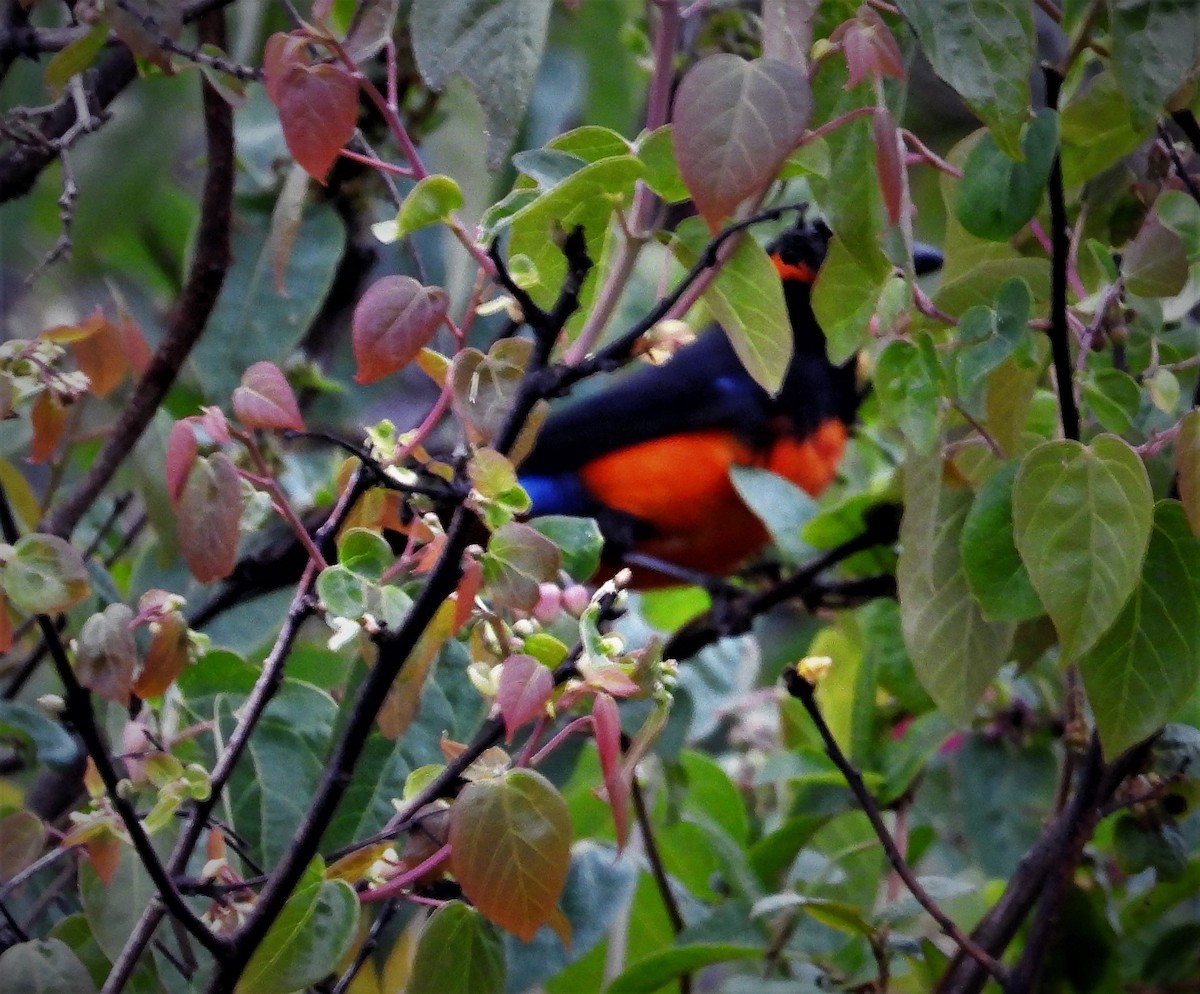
x,y
649,456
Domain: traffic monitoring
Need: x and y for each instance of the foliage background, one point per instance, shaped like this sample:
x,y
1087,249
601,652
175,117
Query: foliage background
x,y
971,703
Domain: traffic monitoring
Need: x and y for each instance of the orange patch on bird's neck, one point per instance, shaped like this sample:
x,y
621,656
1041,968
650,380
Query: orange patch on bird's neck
x,y
802,272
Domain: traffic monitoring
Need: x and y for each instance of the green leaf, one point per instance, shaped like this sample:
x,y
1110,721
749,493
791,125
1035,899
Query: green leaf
x,y
989,336
459,952
517,560
43,966
845,295
1096,130
254,319
113,908
1155,263
365,553
431,201
662,171
579,540
511,848
1155,50
44,574
659,969
779,504
1114,398
1187,467
998,196
1082,518
585,198
548,167
908,380
955,650
495,45
309,937
1138,846
1145,666
75,58
1179,212
29,728
747,299
985,50
989,553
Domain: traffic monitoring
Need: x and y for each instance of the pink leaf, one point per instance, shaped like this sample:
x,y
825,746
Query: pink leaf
x,y
870,48
525,687
393,321
181,453
606,722
735,123
212,420
264,400
209,511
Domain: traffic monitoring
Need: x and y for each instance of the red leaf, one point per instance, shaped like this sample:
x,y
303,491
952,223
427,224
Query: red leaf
x,y
281,54
49,419
606,723
133,344
264,400
318,108
870,48
393,321
212,420
525,687
889,163
209,511
735,123
181,452
6,625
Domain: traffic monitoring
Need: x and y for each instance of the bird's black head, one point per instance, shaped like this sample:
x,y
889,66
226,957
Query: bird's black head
x,y
799,251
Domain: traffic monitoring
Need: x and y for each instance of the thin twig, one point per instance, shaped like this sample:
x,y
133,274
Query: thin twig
x,y
805,692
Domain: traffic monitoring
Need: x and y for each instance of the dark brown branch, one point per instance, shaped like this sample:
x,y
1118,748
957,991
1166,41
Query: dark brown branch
x,y
1060,251
20,168
805,692
207,274
735,617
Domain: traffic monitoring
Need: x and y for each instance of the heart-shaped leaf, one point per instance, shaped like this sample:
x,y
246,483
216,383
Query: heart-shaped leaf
x,y
264,400
393,321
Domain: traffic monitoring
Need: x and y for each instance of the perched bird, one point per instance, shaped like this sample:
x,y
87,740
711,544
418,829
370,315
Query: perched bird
x,y
650,457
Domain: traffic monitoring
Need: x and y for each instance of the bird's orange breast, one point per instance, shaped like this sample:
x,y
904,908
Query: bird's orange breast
x,y
680,486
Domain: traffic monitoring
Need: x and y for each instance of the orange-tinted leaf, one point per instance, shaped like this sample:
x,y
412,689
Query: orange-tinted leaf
x,y
166,657
393,321
404,696
889,163
69,334
133,343
510,843
264,400
49,420
318,108
870,48
106,655
525,687
464,597
104,853
606,725
735,122
209,510
101,355
181,452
